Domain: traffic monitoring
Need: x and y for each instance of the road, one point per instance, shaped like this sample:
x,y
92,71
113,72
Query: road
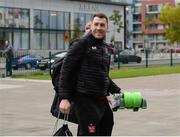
x,y
25,106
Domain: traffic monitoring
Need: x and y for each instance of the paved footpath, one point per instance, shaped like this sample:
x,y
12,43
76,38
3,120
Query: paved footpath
x,y
25,105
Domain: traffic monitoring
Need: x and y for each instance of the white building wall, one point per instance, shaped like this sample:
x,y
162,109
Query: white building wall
x,y
68,6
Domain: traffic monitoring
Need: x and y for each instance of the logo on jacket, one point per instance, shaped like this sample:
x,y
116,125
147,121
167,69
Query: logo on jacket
x,y
94,47
91,128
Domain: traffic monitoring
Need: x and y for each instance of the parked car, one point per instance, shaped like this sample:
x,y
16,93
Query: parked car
x,y
143,50
15,62
45,63
25,61
168,49
127,56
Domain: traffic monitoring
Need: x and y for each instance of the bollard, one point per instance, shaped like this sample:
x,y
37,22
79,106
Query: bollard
x,y
146,52
118,59
171,57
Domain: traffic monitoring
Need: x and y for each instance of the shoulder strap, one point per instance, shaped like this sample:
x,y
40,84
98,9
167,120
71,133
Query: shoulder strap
x,y
106,47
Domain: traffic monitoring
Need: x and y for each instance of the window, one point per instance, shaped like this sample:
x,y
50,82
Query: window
x,y
137,18
160,37
44,19
137,37
47,22
2,24
16,18
17,40
60,41
37,19
52,40
24,18
88,17
15,22
137,27
137,9
37,42
66,21
21,39
45,40
25,40
81,19
53,19
152,26
161,26
60,20
153,7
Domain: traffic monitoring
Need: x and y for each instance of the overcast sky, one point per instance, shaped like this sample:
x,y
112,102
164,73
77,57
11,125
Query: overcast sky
x,y
177,0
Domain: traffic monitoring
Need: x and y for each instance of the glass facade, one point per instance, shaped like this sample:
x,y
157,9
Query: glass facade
x,y
50,27
21,39
2,17
51,30
81,19
14,18
60,43
14,26
37,19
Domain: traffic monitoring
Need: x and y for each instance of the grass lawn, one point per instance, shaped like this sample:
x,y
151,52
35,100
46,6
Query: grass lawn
x,y
139,72
34,75
114,74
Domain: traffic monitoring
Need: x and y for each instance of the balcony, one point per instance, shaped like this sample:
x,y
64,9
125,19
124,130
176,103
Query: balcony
x,y
136,21
137,40
151,9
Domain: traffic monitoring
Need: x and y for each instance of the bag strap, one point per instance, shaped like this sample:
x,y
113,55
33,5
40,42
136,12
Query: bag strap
x,y
65,119
57,121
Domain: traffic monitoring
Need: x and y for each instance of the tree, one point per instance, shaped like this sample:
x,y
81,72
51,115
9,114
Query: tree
x,y
37,21
148,20
77,32
171,16
116,18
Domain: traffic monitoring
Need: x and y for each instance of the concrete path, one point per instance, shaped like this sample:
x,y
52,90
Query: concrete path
x,y
25,105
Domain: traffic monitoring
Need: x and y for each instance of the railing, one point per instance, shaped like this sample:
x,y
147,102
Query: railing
x,y
150,59
2,67
27,62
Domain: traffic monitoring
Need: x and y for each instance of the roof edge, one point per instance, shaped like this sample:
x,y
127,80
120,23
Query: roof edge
x,y
102,2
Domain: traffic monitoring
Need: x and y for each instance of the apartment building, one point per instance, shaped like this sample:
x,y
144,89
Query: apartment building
x,y
148,32
137,32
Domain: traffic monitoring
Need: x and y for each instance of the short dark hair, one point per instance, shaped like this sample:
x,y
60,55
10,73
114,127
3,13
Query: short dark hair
x,y
7,41
100,15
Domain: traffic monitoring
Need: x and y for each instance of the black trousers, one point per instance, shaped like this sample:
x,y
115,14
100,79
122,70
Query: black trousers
x,y
94,116
9,67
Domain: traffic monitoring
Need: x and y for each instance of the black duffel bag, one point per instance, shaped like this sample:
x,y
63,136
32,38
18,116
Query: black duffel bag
x,y
64,130
55,110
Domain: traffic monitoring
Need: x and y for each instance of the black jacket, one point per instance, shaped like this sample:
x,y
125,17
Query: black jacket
x,y
87,66
9,52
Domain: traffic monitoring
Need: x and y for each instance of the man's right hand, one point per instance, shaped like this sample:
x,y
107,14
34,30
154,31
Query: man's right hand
x,y
64,106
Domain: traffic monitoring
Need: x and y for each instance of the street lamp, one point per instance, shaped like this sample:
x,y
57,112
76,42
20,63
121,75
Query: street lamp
x,y
125,29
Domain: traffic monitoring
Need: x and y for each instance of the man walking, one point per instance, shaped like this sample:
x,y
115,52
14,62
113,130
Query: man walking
x,y
88,61
9,54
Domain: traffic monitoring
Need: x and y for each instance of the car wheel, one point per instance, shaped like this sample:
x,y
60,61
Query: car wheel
x,y
125,61
139,61
43,68
15,67
28,66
